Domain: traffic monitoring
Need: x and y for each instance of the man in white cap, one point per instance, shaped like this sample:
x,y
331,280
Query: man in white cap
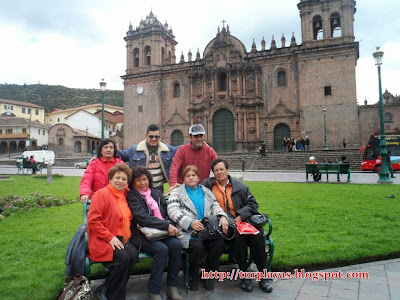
x,y
195,153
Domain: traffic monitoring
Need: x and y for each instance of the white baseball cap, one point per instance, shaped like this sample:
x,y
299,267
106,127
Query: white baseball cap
x,y
196,129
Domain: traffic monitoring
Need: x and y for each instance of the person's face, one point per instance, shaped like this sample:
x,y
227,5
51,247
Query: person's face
x,y
220,172
141,183
153,137
108,151
119,180
191,179
197,141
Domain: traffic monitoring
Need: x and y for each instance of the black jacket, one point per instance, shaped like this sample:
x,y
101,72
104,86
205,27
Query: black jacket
x,y
141,211
243,200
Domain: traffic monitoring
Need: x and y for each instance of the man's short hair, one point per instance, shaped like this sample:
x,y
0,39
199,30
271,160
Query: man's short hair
x,y
217,161
152,127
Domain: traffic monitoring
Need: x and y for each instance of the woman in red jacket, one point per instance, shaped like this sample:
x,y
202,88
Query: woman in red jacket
x,y
108,224
95,176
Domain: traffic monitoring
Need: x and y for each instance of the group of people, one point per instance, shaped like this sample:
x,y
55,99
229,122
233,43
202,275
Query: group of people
x,y
124,199
292,144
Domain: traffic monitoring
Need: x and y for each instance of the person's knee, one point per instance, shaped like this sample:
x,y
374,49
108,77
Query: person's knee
x,y
161,250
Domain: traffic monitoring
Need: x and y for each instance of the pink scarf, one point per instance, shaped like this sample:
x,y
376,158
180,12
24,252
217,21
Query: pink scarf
x,y
152,203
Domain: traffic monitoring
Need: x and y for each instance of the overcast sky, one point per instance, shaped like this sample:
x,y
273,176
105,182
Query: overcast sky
x,y
76,43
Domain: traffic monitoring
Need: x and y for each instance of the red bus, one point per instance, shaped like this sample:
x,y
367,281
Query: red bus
x,y
371,160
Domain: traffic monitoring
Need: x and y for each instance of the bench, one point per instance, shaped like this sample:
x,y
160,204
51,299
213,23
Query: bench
x,y
269,248
329,168
27,165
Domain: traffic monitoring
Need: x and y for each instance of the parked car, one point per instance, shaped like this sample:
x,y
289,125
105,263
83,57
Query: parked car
x,y
82,164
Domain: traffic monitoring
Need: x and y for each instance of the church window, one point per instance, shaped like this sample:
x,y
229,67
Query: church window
x,y
387,118
162,55
328,90
60,141
136,57
317,28
336,29
147,51
282,78
222,82
177,90
140,108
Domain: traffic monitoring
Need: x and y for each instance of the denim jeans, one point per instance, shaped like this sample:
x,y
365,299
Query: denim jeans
x,y
168,248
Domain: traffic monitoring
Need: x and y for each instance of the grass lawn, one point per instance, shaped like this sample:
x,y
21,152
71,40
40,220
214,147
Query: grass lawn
x,y
314,225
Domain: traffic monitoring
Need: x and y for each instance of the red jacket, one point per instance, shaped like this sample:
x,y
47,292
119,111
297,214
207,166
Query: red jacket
x,y
95,176
102,224
187,155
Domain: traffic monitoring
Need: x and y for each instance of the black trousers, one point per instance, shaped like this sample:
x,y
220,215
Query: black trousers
x,y
197,249
120,270
257,250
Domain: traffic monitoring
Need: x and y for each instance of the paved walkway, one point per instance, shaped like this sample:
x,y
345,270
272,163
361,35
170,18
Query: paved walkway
x,y
383,283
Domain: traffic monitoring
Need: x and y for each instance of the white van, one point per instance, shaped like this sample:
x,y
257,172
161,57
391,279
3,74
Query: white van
x,y
42,156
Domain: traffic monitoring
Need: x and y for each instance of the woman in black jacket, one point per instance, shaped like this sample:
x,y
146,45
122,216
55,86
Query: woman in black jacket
x,y
149,209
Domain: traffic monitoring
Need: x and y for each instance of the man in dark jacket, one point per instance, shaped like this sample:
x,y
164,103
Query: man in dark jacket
x,y
152,154
237,201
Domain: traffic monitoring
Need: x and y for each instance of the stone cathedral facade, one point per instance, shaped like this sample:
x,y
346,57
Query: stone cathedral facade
x,y
242,98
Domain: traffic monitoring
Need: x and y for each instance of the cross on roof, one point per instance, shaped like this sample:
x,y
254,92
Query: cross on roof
x,y
223,23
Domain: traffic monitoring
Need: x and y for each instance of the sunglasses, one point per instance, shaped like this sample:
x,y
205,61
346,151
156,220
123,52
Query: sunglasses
x,y
154,137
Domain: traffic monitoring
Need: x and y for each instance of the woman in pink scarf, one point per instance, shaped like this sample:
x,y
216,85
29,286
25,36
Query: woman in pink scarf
x,y
149,209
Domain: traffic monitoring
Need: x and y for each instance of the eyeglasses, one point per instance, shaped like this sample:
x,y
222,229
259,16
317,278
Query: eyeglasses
x,y
157,137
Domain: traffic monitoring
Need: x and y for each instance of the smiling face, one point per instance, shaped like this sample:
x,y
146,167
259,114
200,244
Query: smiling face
x,y
119,180
197,141
191,179
221,173
141,183
153,137
107,151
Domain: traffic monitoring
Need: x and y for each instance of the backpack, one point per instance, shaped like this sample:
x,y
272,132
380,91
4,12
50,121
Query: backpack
x,y
76,288
76,253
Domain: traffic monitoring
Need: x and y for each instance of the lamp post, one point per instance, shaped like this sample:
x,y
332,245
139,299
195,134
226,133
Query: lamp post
x,y
103,88
87,144
384,173
325,142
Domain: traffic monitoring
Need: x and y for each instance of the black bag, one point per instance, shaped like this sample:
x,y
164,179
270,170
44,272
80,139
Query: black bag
x,y
76,253
76,288
258,220
212,231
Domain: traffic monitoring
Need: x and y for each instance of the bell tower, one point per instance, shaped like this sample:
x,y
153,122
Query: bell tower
x,y
327,22
149,46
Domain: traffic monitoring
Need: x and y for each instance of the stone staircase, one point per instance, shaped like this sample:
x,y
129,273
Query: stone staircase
x,y
290,160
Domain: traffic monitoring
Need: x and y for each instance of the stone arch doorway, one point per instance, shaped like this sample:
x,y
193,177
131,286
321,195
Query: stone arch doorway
x,y
3,147
176,138
280,131
223,131
12,147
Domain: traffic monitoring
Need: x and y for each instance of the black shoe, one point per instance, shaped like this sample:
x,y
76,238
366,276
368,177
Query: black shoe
x,y
265,285
101,293
393,176
246,285
193,285
208,285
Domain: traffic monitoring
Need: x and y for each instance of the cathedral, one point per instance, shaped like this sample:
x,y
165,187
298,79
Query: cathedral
x,y
243,98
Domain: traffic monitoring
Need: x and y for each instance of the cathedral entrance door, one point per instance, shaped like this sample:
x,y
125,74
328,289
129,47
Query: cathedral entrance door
x,y
223,131
280,131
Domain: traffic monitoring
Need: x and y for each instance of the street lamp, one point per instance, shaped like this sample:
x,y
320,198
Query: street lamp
x,y
87,144
103,88
325,144
384,173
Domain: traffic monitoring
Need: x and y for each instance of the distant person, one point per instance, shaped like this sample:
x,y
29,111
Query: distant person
x,y
389,164
343,160
344,143
302,144
33,164
194,153
316,175
243,164
152,154
263,149
307,143
95,176
284,144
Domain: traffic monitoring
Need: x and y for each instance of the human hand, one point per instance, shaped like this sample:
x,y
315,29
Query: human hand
x,y
172,230
223,222
171,188
116,243
197,225
84,198
239,219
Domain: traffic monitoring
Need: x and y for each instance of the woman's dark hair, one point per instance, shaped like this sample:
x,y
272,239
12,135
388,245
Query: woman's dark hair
x,y
139,171
190,168
102,144
217,161
119,168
